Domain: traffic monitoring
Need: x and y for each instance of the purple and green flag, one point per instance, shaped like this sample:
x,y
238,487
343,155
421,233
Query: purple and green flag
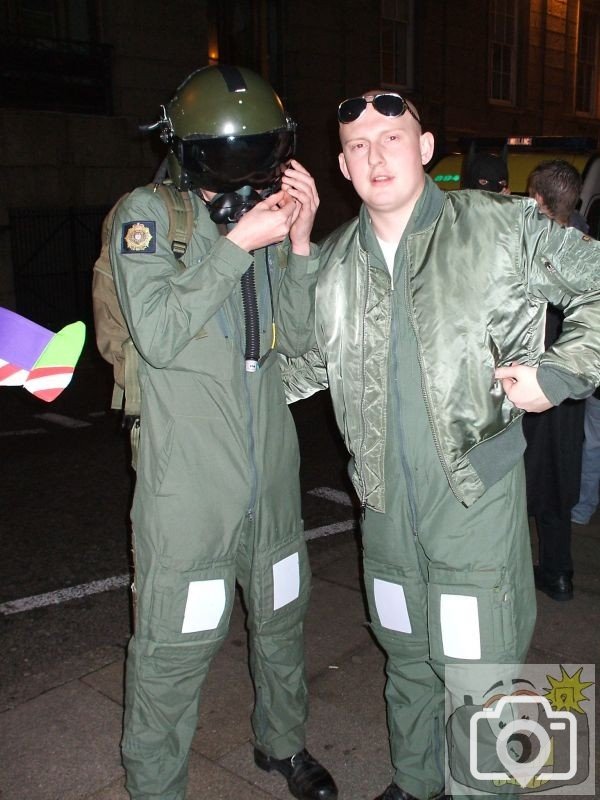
x,y
35,358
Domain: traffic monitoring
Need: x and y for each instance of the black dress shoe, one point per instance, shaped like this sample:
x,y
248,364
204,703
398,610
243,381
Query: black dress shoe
x,y
306,778
394,792
558,587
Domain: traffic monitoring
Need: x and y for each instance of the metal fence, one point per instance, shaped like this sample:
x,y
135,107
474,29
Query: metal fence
x,y
53,252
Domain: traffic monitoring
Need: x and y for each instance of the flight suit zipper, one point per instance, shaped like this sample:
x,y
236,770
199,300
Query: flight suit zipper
x,y
361,450
402,442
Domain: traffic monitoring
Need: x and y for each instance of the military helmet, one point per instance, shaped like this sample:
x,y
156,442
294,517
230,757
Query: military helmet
x,y
226,128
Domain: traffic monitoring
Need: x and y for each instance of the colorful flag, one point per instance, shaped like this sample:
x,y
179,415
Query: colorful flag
x,y
35,358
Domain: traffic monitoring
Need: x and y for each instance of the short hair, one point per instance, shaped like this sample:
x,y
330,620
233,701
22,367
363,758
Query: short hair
x,y
558,183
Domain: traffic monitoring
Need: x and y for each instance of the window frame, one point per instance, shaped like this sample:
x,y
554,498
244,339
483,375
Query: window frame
x,y
397,19
493,43
593,90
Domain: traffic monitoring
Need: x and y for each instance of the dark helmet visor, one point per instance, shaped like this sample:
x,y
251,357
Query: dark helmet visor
x,y
226,163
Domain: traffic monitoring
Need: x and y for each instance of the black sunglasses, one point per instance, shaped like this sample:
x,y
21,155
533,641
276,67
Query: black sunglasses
x,y
389,104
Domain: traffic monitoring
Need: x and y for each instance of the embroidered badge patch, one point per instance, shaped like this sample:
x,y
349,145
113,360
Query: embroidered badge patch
x,y
138,237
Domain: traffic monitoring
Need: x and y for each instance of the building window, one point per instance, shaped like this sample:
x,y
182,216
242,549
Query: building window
x,y
586,89
73,20
397,36
503,50
248,33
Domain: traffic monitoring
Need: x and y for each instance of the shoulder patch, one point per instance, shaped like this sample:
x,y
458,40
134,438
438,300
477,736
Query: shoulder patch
x,y
138,236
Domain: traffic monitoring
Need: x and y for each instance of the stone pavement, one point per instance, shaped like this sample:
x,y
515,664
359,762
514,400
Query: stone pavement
x,y
62,741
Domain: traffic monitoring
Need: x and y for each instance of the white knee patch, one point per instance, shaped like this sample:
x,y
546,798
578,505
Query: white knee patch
x,y
286,581
391,606
204,607
459,619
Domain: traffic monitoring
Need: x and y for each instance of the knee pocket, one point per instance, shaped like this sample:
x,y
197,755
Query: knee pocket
x,y
471,615
396,598
280,588
186,601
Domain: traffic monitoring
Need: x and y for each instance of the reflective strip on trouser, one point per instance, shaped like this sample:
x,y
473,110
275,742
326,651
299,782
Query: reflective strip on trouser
x,y
183,611
458,590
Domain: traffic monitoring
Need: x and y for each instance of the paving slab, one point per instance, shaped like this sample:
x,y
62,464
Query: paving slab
x,y
206,780
61,745
341,552
335,625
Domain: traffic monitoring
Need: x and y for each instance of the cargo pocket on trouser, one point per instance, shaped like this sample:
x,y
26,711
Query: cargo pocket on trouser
x,y
396,607
190,601
471,616
277,601
414,693
183,617
475,645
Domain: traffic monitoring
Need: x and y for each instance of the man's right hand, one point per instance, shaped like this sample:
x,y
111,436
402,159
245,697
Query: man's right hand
x,y
269,222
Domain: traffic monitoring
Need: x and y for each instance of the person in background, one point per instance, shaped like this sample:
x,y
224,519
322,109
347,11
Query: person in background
x,y
217,495
556,185
589,492
430,337
554,437
486,171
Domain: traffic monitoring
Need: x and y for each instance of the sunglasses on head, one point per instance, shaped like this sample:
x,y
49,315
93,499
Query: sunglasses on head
x,y
389,104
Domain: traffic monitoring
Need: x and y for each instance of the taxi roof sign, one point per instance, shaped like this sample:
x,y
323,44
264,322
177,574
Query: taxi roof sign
x,y
572,144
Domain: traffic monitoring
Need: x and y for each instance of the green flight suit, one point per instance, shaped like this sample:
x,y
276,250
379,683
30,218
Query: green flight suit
x,y
217,494
438,552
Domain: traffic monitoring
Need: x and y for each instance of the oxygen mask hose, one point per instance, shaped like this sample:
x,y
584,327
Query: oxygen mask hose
x,y
228,209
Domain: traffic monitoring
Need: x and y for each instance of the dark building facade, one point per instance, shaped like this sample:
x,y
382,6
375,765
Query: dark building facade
x,y
77,78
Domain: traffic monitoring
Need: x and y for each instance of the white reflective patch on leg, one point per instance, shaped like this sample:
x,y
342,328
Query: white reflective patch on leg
x,y
459,618
391,606
286,581
204,607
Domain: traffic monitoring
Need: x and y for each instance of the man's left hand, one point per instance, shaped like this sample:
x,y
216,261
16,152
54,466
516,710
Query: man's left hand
x,y
521,386
300,185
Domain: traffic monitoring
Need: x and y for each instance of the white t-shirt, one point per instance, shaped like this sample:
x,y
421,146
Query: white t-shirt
x,y
389,253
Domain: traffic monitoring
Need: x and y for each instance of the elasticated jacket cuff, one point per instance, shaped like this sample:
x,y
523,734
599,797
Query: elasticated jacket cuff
x,y
557,384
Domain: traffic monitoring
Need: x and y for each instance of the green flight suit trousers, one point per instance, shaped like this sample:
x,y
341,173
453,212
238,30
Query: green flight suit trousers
x,y
445,585
183,611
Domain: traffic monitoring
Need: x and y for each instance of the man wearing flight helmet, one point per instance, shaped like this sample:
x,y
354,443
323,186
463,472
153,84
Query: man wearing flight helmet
x,y
217,494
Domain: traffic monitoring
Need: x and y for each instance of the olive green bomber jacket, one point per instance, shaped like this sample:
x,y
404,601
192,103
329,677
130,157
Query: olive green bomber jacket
x,y
478,279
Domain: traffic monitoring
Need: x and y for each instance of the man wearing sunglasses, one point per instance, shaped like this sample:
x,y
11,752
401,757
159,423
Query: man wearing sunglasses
x,y
430,312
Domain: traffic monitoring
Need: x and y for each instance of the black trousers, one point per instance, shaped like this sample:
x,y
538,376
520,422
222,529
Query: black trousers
x,y
553,471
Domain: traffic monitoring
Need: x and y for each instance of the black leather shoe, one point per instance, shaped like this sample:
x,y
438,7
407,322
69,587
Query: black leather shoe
x,y
306,778
394,792
558,587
